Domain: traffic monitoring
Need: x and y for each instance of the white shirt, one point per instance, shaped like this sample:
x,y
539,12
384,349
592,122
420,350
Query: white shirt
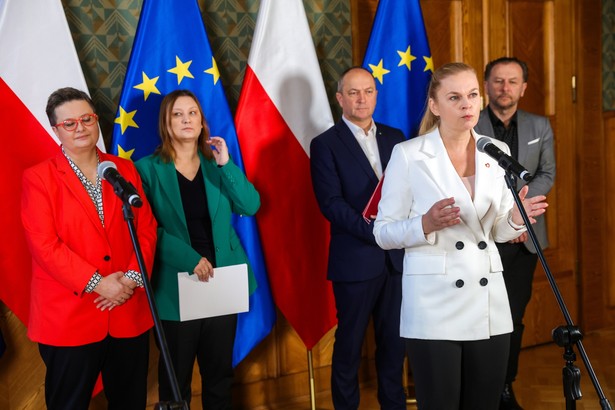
x,y
368,144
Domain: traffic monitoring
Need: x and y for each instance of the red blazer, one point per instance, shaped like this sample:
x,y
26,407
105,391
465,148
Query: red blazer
x,y
68,244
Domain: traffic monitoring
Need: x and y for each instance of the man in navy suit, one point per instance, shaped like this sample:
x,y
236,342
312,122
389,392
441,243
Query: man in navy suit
x,y
347,161
530,139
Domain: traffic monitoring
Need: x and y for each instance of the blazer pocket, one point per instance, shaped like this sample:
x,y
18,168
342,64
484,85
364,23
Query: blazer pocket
x,y
496,262
424,264
534,141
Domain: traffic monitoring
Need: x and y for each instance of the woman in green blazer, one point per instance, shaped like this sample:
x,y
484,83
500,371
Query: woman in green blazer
x,y
193,190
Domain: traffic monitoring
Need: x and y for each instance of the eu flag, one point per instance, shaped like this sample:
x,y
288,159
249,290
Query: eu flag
x,y
171,51
399,58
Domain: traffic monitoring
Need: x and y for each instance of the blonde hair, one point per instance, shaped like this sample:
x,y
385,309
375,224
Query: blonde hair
x,y
165,150
429,120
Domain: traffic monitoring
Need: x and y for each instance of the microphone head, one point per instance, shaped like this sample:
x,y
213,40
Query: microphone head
x,y
482,143
103,167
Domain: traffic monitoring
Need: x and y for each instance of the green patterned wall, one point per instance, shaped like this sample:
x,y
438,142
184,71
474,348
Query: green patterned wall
x,y
104,30
608,55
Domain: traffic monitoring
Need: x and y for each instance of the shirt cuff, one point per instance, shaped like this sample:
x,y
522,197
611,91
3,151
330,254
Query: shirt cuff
x,y
93,282
135,276
514,225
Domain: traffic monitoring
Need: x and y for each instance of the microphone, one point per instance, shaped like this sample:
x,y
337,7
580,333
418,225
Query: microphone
x,y
125,190
504,160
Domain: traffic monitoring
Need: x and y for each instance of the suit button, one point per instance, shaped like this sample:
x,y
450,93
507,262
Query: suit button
x,y
483,281
107,258
459,283
482,245
459,245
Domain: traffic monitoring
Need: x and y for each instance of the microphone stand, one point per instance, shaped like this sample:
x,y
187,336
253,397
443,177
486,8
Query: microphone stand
x,y
564,336
178,403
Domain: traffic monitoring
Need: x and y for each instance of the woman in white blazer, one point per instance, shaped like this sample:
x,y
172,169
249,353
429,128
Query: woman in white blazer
x,y
446,204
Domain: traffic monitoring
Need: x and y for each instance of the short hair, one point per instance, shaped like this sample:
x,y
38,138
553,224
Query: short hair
x,y
165,149
62,96
340,82
506,60
430,121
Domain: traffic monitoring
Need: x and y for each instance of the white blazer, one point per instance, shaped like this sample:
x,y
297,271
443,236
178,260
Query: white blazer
x,y
452,283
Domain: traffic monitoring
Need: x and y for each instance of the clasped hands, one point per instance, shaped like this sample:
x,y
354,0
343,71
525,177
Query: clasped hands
x,y
113,290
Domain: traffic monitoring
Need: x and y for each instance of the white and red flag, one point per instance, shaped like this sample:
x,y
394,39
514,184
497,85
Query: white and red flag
x,y
37,57
283,105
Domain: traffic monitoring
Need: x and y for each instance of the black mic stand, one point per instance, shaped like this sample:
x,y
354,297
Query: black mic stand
x,y
178,403
564,336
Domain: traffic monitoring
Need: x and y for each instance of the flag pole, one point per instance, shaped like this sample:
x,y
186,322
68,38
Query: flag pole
x,y
311,376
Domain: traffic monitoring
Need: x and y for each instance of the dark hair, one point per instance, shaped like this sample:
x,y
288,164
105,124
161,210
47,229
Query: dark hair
x,y
165,149
430,121
64,95
340,82
506,60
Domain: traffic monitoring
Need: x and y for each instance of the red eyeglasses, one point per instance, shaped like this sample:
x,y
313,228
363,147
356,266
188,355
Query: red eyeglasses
x,y
71,124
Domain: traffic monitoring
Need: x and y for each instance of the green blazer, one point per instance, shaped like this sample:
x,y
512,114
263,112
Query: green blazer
x,y
228,191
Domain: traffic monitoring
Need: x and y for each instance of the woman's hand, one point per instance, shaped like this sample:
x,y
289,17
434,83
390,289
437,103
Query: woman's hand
x,y
220,150
204,270
113,291
442,214
534,206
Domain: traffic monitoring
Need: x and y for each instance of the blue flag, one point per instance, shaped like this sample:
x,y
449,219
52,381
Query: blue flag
x,y
399,58
171,51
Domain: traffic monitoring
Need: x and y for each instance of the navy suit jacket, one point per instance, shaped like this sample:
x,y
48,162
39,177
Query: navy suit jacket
x,y
343,182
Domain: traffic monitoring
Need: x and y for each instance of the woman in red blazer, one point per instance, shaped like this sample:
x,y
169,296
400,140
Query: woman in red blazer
x,y
88,309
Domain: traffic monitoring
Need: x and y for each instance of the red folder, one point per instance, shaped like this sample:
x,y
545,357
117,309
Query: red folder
x,y
372,205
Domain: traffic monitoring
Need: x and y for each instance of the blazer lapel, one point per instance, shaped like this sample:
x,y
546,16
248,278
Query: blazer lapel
x,y
167,176
440,167
349,140
487,171
451,185
523,131
74,185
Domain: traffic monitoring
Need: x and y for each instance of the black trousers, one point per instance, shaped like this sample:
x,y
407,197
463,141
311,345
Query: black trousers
x,y
458,375
357,302
519,265
72,372
210,342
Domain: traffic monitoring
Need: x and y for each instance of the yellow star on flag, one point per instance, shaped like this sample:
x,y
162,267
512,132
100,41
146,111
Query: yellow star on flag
x,y
378,71
124,154
214,70
181,70
148,86
406,58
126,119
428,64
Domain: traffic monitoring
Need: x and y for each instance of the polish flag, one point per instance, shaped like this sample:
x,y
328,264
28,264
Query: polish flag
x,y
38,57
282,106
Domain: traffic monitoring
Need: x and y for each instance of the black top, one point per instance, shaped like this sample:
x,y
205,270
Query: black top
x,y
508,135
194,201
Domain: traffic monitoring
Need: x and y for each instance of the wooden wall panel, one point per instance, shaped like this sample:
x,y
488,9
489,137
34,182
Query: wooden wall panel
x,y
525,29
527,34
590,167
609,138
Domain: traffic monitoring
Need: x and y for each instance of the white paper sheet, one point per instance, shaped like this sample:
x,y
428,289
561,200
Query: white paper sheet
x,y
225,293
